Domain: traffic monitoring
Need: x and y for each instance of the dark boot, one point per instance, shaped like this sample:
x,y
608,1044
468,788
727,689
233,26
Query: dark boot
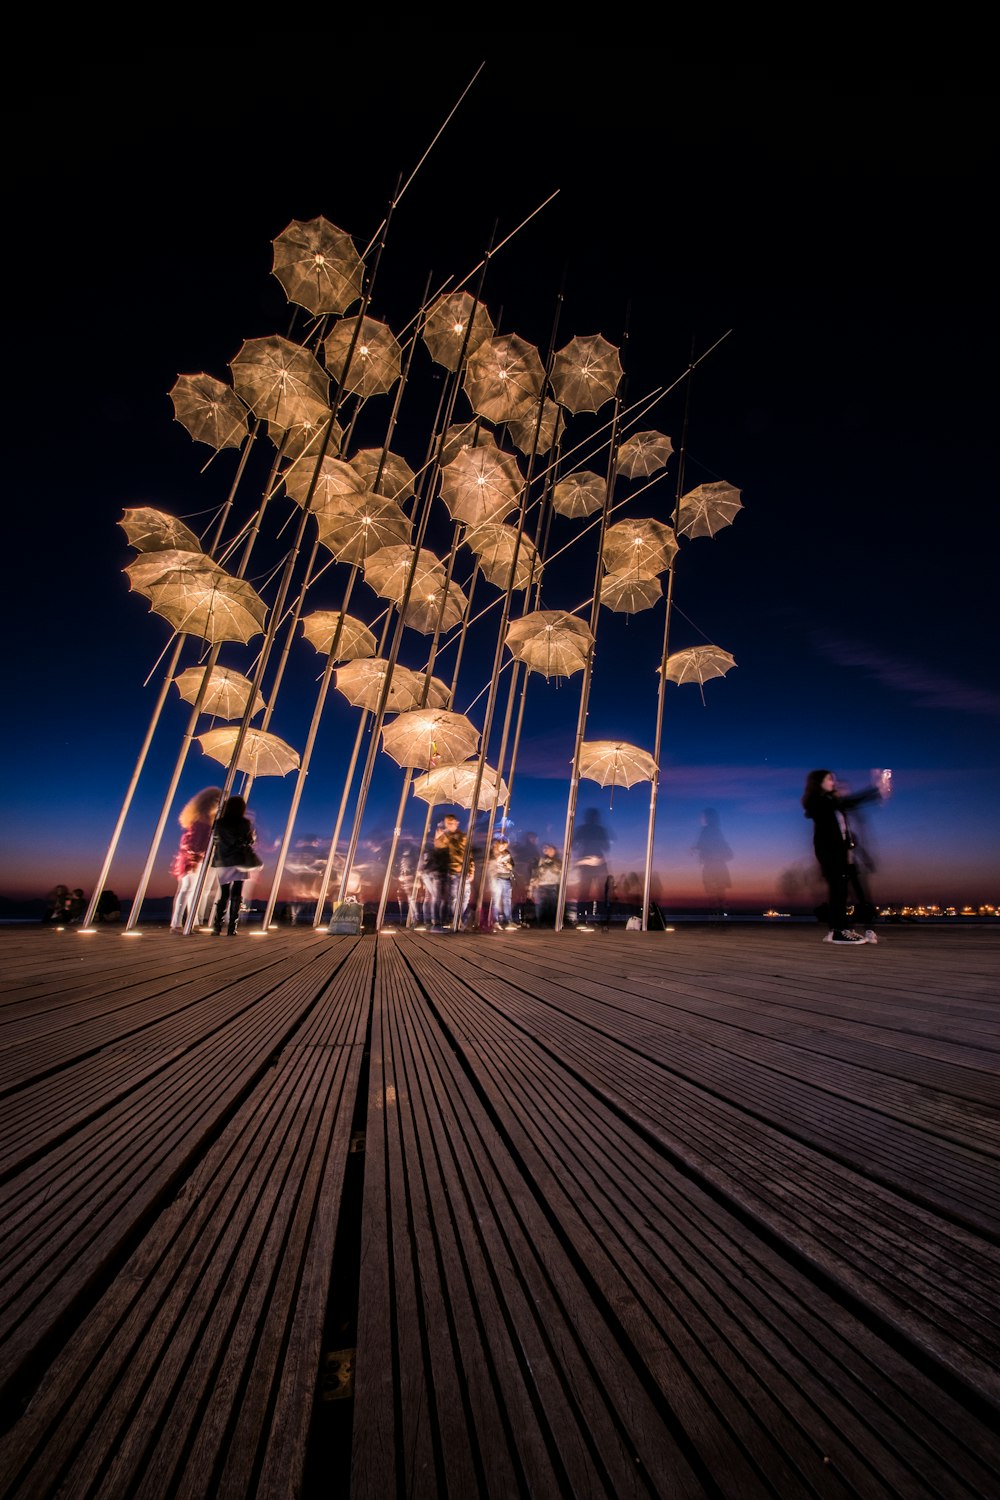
x,y
220,911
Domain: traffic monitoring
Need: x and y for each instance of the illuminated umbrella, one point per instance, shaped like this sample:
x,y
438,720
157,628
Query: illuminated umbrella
x,y
444,329
211,411
423,611
455,785
375,363
550,641
465,435
644,547
503,377
495,547
151,530
626,594
480,485
705,510
428,738
261,754
338,488
281,381
318,265
644,454
226,696
361,683
356,640
387,571
523,430
305,438
585,374
197,597
615,763
396,479
355,535
579,494
698,664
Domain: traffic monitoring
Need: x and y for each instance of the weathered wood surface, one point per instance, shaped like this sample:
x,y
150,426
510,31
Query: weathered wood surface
x,y
712,1212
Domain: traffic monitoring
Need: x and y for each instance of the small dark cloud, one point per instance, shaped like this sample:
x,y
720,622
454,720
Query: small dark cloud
x,y
926,688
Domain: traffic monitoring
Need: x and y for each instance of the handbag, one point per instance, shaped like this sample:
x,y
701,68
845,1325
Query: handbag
x,y
249,860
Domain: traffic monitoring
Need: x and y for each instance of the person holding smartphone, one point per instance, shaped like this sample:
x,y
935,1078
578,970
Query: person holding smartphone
x,y
836,846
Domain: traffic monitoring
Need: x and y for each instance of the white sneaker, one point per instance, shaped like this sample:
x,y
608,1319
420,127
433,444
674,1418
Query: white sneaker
x,y
847,937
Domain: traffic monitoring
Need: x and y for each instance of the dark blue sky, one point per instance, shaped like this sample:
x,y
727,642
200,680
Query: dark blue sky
x,y
839,236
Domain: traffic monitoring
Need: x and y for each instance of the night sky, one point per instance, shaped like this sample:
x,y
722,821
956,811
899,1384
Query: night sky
x,y
833,235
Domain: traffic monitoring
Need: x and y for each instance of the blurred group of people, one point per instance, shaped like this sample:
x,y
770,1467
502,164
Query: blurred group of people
x,y
527,877
230,836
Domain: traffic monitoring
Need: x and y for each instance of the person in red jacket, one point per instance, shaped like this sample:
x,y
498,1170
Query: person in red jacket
x,y
196,819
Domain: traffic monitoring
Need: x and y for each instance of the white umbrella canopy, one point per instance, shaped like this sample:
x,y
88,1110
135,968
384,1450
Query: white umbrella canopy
x,y
537,433
586,373
626,594
361,682
197,597
356,535
579,494
318,266
550,641
455,785
377,360
495,547
387,570
150,530
385,473
698,664
428,738
281,381
615,763
424,611
305,439
211,411
337,486
445,328
644,454
645,547
503,378
481,485
227,693
464,435
705,510
261,754
355,640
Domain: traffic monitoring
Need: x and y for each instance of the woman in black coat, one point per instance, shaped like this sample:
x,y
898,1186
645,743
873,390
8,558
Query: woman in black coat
x,y
835,847
233,860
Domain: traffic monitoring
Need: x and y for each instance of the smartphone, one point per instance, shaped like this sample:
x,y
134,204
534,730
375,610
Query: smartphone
x,y
883,780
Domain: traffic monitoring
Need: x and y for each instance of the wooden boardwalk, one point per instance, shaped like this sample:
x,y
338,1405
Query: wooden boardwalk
x,y
706,1213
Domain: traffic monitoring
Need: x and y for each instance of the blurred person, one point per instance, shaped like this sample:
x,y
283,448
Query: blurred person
x,y
450,840
234,859
76,905
196,819
714,854
827,805
109,908
545,885
57,903
501,873
592,843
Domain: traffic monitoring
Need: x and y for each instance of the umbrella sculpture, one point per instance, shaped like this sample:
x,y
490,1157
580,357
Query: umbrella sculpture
x,y
480,485
579,494
375,364
337,486
456,784
211,412
423,611
645,547
361,683
705,510
305,438
318,266
550,641
698,664
529,434
644,454
495,547
615,763
395,478
387,571
586,373
261,754
624,593
197,597
151,530
445,328
227,693
320,630
427,738
353,536
281,381
503,378
462,435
